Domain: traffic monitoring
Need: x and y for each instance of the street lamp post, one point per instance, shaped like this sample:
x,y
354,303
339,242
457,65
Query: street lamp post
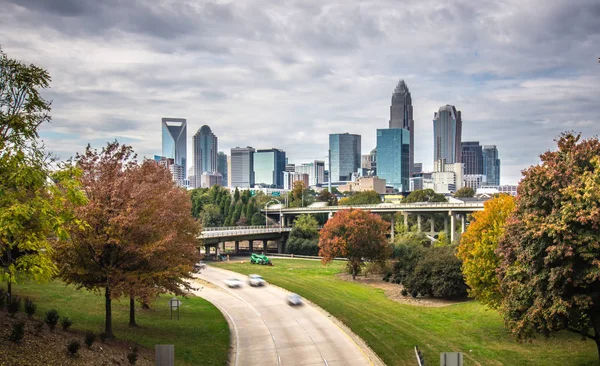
x,y
267,212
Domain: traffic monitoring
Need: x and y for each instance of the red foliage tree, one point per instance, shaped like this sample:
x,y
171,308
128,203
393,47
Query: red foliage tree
x,y
357,235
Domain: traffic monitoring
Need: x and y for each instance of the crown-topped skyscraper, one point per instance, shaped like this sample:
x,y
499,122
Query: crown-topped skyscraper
x,y
401,116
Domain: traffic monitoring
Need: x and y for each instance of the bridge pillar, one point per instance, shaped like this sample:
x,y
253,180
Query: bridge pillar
x,y
432,225
446,225
237,246
463,223
280,246
206,250
329,215
265,246
419,223
405,221
218,250
251,245
392,227
452,226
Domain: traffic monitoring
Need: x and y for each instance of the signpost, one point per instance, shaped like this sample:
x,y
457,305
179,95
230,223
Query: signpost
x,y
275,194
174,304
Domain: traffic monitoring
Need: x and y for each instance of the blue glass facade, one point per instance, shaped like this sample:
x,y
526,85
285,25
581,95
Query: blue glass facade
x,y
222,168
174,144
447,132
269,166
344,150
393,157
491,165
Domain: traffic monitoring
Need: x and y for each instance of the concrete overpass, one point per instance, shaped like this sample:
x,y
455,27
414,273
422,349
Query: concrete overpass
x,y
215,237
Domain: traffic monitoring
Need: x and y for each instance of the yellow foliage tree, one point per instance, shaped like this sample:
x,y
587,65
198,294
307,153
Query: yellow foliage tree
x,y
477,249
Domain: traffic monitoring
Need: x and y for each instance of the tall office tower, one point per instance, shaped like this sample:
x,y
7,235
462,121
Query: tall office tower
x,y
447,131
472,157
242,167
269,165
290,168
344,154
223,168
393,154
417,169
491,165
205,152
401,116
174,144
315,171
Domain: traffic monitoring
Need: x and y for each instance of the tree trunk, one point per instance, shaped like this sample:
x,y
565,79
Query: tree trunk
x,y
108,318
9,291
132,312
353,272
596,323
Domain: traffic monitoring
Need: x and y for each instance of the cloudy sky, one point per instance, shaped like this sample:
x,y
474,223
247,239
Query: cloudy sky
x,y
287,73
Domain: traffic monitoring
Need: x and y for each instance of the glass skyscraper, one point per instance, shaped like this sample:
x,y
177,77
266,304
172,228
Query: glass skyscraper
x,y
242,167
447,132
472,157
344,153
223,168
269,165
205,152
401,116
174,144
491,165
393,151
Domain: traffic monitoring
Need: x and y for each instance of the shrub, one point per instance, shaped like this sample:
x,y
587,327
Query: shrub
x,y
14,304
18,332
404,292
52,319
66,323
103,337
414,293
39,326
2,299
133,355
89,339
387,276
73,347
30,308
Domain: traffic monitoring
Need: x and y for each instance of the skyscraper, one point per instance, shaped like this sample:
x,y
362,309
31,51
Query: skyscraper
x,y
491,165
472,157
242,167
223,168
393,151
315,171
447,131
174,144
344,150
269,165
205,152
401,116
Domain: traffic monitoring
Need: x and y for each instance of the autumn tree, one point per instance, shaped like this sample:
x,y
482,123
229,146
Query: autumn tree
x,y
478,247
300,196
356,235
33,197
550,253
326,196
465,192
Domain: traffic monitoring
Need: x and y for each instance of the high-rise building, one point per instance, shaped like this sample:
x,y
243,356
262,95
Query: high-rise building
x,y
242,167
472,157
222,167
474,181
344,154
290,168
401,116
228,170
205,152
417,169
174,143
393,152
269,165
315,171
289,178
447,178
209,179
447,131
491,165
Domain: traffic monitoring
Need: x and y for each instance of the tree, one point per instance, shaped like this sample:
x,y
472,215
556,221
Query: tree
x,y
258,219
355,234
304,237
549,272
465,192
211,216
299,196
478,247
33,199
326,196
361,198
424,195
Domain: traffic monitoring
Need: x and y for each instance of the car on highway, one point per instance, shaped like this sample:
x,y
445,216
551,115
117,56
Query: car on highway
x,y
233,282
294,300
256,280
199,266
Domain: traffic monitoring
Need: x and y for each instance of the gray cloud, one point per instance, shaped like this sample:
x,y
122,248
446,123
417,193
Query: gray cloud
x,y
286,74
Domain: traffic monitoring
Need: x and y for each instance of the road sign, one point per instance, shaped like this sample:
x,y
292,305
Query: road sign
x,y
275,194
252,192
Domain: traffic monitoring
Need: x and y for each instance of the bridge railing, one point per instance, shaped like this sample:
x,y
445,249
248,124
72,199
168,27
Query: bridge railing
x,y
392,205
227,228
225,232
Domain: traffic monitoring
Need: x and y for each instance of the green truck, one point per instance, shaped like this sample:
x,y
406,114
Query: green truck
x,y
260,259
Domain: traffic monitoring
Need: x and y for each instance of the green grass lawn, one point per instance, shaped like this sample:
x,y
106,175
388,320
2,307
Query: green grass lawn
x,y
392,329
201,336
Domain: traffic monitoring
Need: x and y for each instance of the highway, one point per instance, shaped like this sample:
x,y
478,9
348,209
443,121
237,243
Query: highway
x,y
268,331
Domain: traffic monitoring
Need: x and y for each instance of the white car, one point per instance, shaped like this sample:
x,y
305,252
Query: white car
x,y
294,299
233,282
256,280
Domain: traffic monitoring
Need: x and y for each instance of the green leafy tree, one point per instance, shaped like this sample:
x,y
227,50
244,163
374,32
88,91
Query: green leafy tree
x,y
424,195
357,235
478,247
549,272
211,216
304,237
361,198
258,219
464,192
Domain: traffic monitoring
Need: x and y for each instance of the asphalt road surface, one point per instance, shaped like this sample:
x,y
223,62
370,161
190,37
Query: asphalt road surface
x,y
268,331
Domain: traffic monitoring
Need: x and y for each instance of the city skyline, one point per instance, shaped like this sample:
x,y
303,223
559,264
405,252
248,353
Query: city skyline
x,y
254,78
